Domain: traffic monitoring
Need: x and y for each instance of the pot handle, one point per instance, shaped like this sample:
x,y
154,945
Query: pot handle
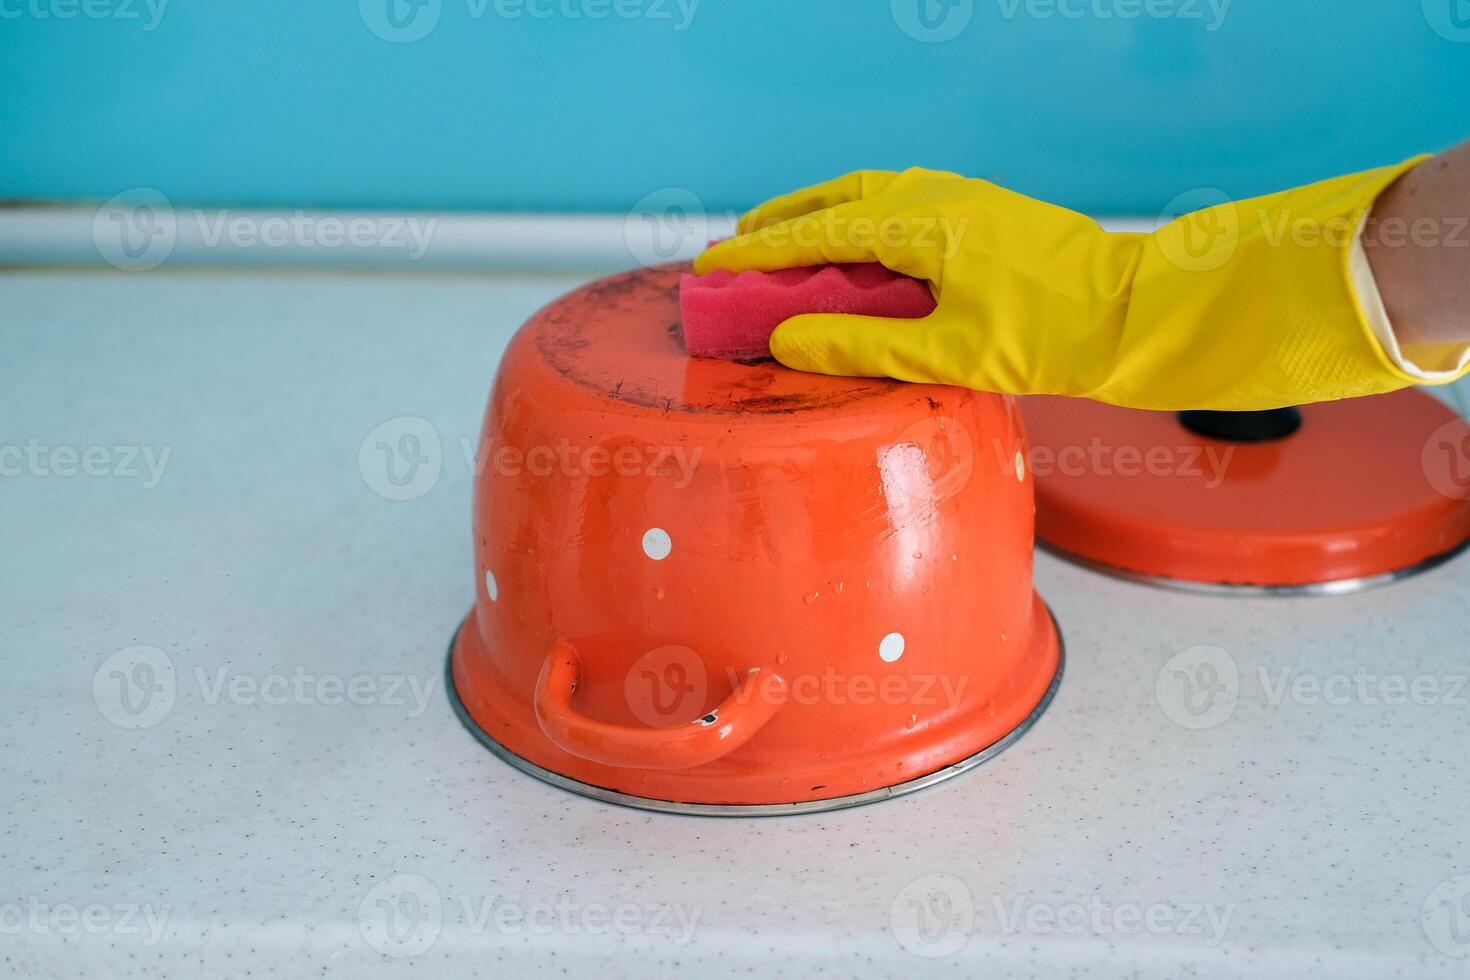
x,y
755,699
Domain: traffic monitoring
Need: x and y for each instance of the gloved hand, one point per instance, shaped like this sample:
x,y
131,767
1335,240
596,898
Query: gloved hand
x,y
1242,306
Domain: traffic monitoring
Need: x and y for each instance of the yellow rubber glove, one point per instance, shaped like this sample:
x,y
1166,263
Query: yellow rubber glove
x,y
1242,306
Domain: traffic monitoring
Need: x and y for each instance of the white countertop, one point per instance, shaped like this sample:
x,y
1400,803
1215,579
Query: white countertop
x,y
303,754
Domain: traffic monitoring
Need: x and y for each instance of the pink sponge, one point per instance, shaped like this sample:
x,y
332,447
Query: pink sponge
x,y
732,316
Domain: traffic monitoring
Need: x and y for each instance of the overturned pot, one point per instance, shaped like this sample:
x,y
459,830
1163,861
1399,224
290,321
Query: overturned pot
x,y
718,587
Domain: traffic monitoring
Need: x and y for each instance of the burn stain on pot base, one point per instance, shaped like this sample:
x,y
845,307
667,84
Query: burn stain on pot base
x,y
752,393
670,380
634,284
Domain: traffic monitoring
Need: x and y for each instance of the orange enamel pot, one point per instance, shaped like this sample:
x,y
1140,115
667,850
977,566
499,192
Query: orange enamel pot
x,y
718,587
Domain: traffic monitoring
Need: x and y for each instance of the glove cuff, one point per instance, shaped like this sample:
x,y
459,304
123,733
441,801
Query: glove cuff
x,y
1250,305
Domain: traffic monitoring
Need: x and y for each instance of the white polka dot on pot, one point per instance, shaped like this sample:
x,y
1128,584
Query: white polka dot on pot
x,y
491,589
890,648
657,544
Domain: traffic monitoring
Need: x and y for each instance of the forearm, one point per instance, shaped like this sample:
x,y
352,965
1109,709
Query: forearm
x,y
1418,243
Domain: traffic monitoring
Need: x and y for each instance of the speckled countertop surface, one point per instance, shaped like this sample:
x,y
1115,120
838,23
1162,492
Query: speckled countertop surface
x,y
294,797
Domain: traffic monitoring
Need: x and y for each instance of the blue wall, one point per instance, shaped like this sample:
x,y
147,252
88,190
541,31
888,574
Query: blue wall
x,y
326,103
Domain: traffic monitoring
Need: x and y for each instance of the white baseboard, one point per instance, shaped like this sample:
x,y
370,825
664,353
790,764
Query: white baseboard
x,y
142,235
142,231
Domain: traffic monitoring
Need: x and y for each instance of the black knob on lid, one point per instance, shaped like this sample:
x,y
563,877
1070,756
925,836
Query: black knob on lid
x,y
1272,424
